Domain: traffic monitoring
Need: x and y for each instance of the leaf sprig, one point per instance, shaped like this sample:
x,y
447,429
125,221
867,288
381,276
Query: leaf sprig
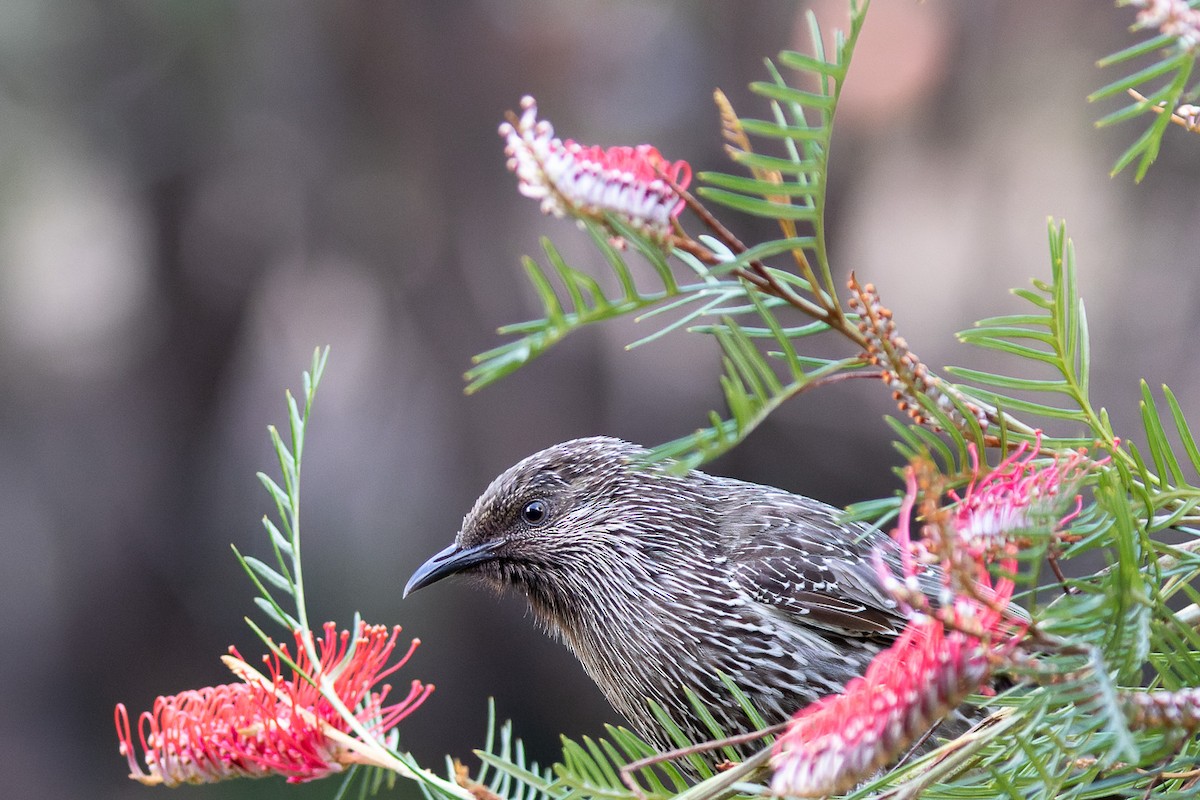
x,y
284,582
1174,58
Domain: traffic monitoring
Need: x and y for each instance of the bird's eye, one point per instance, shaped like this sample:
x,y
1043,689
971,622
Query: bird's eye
x,y
534,512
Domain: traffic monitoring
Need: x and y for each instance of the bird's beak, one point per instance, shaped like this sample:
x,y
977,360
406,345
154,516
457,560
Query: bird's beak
x,y
448,562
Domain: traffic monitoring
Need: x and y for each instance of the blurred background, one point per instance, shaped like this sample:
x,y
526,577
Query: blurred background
x,y
195,195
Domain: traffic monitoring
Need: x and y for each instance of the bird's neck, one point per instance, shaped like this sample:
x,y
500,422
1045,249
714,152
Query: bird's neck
x,y
644,615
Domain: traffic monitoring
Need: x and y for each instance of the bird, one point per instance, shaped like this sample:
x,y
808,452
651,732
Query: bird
x,y
661,582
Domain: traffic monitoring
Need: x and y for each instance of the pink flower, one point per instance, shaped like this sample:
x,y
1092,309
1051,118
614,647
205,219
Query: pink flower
x,y
945,653
1173,17
273,724
1014,499
837,741
942,656
588,182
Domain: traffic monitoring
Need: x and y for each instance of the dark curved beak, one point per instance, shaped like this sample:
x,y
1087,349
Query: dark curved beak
x,y
452,560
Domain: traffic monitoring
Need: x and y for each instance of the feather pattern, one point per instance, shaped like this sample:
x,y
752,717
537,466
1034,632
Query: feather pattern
x,y
659,581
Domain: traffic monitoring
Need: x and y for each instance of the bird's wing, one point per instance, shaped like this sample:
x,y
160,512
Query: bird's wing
x,y
790,554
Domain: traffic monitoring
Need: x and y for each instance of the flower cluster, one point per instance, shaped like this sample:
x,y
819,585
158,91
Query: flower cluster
x,y
837,741
635,183
1173,17
946,652
1188,115
274,724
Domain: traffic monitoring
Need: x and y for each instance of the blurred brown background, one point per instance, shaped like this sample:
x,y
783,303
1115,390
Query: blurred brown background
x,y
194,195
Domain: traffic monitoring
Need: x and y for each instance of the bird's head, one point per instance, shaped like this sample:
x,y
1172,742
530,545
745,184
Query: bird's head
x,y
553,522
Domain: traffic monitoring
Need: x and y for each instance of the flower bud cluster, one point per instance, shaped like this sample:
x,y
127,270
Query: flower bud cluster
x,y
908,378
1163,709
1189,115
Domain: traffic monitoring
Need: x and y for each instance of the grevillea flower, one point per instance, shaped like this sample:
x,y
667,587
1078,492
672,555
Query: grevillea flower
x,y
1015,499
274,724
588,182
837,741
941,657
1173,17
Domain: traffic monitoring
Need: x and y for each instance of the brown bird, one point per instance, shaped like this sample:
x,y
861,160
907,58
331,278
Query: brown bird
x,y
660,581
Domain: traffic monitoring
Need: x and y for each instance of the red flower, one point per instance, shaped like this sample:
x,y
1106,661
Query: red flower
x,y
837,741
273,724
942,656
1015,498
587,182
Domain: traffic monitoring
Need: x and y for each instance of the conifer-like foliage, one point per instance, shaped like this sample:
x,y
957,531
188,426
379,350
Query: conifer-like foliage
x,y
1098,645
717,286
1174,28
1102,669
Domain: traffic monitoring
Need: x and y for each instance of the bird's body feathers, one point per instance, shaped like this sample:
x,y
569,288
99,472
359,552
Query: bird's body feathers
x,y
660,581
